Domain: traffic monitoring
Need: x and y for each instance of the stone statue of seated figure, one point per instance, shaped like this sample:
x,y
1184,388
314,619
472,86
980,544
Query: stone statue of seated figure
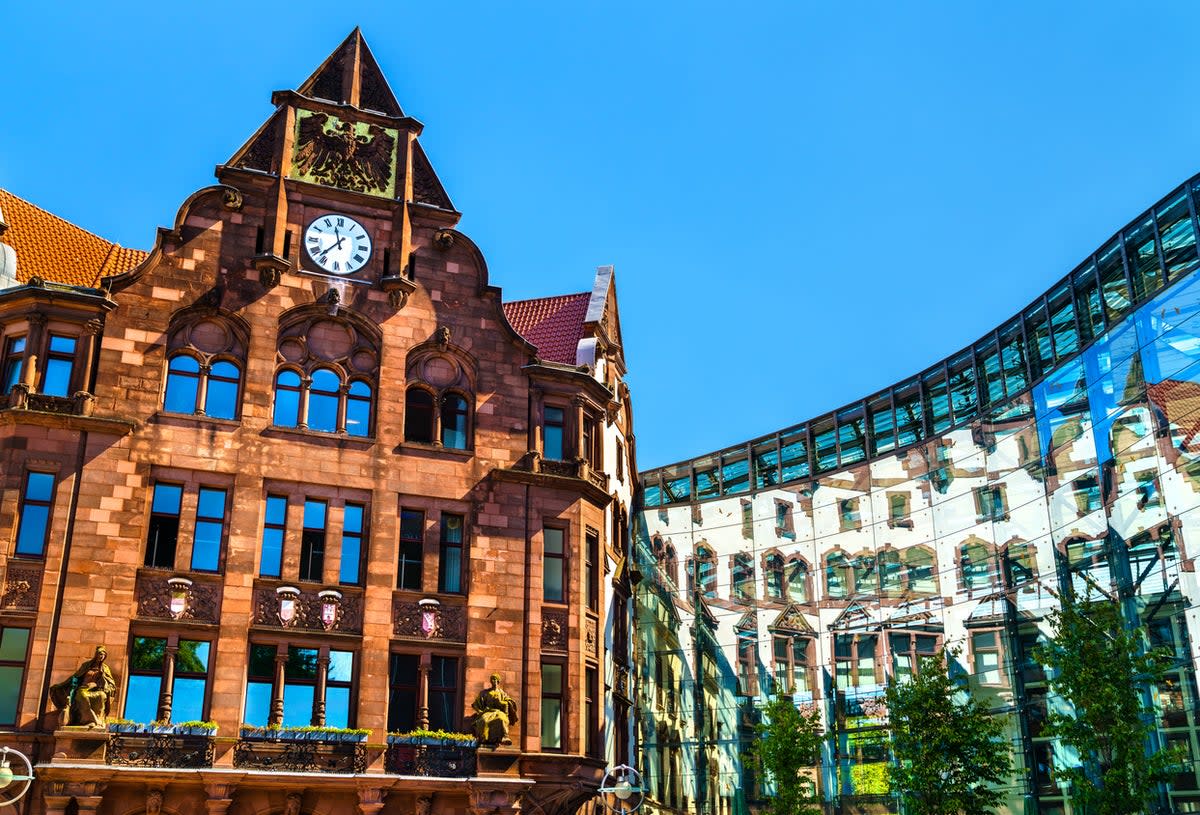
x,y
87,693
495,712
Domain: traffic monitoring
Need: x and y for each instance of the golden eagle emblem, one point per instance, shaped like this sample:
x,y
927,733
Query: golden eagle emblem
x,y
341,154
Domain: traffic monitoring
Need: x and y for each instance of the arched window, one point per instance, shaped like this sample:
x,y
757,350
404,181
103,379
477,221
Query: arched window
x,y
866,575
672,565
358,409
773,574
454,421
323,401
742,570
287,399
891,573
205,349
797,581
706,571
440,395
921,575
977,571
837,575
328,368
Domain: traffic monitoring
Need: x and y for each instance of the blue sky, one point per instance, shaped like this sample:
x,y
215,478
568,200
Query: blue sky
x,y
804,203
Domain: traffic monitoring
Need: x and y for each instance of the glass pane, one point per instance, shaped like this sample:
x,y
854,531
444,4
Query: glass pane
x,y
272,552
301,663
276,509
794,455
10,692
552,580
1144,268
825,444
287,400
141,702
552,434
147,654
181,393
62,345
166,499
322,412
31,539
13,644
192,657
187,704
358,417
258,704
206,547
1177,236
39,486
851,437
1112,281
58,377
297,705
341,666
766,464
262,661
337,707
211,503
735,473
552,723
1088,304
963,398
554,540
314,514
220,400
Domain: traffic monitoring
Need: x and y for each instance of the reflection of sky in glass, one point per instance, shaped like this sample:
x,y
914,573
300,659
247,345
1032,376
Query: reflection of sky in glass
x,y
337,707
258,703
188,700
341,666
141,703
297,705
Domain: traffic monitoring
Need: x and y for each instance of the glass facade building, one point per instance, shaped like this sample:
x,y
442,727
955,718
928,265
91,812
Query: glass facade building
x,y
951,510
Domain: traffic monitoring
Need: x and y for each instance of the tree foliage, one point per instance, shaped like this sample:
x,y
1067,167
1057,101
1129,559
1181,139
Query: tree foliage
x,y
950,752
790,743
1098,666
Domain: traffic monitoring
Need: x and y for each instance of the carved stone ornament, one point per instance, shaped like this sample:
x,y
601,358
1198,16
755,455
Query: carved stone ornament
x,y
232,200
291,607
554,630
22,586
443,239
591,637
350,155
88,693
398,290
442,336
429,620
331,608
177,598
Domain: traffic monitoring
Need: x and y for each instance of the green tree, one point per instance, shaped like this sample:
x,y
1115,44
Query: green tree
x,y
789,743
950,752
1101,668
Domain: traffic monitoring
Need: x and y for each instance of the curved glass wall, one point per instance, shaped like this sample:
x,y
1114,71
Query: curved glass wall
x,y
983,381
1061,450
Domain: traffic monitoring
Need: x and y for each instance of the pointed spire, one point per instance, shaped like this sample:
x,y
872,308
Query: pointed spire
x,y
351,76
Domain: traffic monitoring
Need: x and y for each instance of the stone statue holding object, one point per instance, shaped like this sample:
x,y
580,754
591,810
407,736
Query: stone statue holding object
x,y
87,693
495,712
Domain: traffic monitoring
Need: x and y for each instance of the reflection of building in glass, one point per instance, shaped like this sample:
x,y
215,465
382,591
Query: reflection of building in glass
x,y
827,558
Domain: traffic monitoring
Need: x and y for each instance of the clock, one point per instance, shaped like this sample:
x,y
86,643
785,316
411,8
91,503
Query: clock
x,y
337,243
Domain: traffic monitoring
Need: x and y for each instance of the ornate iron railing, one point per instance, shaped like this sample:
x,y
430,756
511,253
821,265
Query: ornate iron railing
x,y
430,760
159,750
304,756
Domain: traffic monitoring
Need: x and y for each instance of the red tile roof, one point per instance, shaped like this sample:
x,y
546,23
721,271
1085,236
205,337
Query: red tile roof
x,y
553,324
56,250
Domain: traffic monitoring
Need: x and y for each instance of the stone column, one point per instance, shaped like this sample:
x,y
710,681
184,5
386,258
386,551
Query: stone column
x,y
277,689
423,690
318,714
168,680
305,386
33,349
87,355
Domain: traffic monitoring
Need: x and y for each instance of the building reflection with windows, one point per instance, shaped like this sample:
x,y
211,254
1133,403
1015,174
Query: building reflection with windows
x,y
1063,448
313,508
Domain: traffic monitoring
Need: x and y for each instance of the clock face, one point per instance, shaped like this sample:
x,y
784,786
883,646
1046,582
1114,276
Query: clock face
x,y
337,243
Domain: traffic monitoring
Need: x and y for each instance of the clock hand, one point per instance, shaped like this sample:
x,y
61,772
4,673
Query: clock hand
x,y
326,250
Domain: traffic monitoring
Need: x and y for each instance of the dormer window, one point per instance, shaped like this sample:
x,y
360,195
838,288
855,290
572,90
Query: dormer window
x,y
60,365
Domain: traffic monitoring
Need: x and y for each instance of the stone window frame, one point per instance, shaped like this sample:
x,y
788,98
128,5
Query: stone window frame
x,y
357,363
774,563
703,554
791,638
741,577
853,659
167,673
563,698
999,649
915,655
963,562
190,483
320,683
184,340
807,580
443,371
23,502
295,494
424,686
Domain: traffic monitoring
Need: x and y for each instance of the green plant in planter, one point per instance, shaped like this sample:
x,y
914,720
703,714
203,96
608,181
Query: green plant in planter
x,y
424,736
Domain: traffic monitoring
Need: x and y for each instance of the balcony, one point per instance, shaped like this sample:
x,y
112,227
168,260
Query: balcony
x,y
144,749
300,755
430,760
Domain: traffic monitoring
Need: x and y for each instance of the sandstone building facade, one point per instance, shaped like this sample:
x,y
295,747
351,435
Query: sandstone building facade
x,y
300,467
